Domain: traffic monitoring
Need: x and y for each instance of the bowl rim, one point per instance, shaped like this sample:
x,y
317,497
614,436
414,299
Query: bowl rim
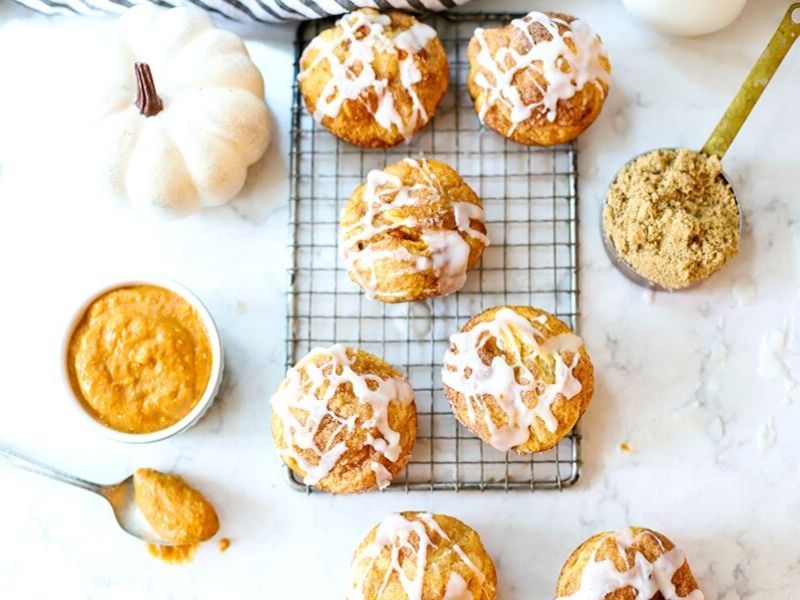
x,y
214,379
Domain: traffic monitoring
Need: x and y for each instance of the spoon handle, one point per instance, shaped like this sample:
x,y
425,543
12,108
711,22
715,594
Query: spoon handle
x,y
29,464
752,88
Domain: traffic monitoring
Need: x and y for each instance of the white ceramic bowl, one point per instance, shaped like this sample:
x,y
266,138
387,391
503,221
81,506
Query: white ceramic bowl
x,y
686,18
214,380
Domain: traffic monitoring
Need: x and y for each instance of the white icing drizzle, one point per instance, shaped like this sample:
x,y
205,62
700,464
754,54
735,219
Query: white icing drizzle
x,y
565,71
508,383
448,252
382,475
428,519
449,258
362,35
457,588
308,390
600,578
394,533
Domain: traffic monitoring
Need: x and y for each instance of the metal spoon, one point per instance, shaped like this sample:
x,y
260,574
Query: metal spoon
x,y
729,125
120,496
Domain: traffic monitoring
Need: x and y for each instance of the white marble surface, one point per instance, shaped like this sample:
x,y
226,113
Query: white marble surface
x,y
715,445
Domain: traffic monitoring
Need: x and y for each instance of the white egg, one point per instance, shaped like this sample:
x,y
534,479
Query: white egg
x,y
686,17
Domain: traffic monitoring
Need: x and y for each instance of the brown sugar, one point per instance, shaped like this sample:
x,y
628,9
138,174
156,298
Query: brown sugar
x,y
672,217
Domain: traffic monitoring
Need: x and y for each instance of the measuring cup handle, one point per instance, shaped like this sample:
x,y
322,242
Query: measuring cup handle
x,y
723,135
16,459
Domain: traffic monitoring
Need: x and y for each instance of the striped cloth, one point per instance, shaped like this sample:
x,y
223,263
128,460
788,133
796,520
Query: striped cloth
x,y
262,11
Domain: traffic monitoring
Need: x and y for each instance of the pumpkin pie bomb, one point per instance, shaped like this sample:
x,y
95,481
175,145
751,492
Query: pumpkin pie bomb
x,y
343,420
540,80
412,231
421,556
374,80
518,378
631,564
176,511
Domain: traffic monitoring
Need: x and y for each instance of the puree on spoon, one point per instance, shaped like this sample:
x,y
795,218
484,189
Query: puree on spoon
x,y
176,511
139,359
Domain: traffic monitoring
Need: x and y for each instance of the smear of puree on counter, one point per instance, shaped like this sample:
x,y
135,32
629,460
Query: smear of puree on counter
x,y
176,511
140,358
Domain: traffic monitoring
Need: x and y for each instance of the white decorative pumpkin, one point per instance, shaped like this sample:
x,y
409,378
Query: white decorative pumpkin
x,y
180,113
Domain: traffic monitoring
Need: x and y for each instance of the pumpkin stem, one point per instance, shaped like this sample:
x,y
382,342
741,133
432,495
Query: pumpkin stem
x,y
147,100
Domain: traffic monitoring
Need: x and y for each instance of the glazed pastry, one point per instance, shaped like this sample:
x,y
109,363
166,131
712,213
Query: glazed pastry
x,y
412,231
374,79
344,420
541,80
518,378
421,556
630,564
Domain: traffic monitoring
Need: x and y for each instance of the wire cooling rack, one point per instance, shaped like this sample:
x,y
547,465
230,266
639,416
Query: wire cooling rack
x,y
530,201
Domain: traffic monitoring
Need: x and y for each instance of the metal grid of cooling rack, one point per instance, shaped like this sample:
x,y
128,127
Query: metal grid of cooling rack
x,y
530,202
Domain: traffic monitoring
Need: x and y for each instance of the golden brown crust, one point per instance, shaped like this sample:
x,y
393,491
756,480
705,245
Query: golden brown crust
x,y
603,547
353,471
566,411
574,115
389,279
355,123
442,560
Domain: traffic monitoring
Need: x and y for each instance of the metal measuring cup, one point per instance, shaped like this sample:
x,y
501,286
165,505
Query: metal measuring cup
x,y
729,125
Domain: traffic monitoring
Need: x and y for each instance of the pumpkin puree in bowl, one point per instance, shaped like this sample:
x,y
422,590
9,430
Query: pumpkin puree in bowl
x,y
176,511
139,359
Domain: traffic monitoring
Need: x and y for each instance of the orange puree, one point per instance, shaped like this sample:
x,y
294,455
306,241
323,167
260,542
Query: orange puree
x,y
140,359
176,511
173,554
